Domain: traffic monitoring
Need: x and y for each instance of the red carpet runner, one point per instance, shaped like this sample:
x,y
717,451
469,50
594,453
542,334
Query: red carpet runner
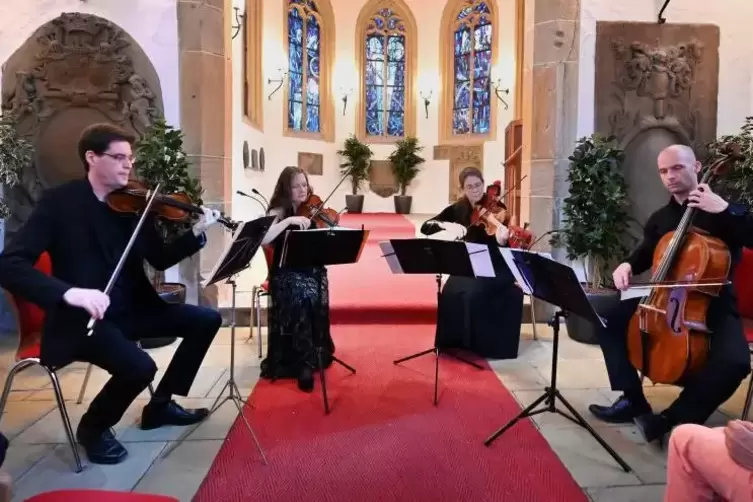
x,y
384,440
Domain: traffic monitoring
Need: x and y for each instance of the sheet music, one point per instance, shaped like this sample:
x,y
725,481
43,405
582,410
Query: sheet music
x,y
631,293
330,229
389,254
481,260
507,254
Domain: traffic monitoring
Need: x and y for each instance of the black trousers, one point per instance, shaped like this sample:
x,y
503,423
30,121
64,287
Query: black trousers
x,y
727,365
113,348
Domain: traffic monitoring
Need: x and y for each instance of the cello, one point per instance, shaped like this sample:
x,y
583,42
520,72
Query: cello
x,y
668,337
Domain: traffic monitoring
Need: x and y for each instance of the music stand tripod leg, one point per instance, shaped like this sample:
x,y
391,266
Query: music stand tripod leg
x,y
233,394
550,395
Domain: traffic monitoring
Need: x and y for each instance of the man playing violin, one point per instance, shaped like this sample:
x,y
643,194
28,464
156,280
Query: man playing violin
x,y
85,240
482,314
728,362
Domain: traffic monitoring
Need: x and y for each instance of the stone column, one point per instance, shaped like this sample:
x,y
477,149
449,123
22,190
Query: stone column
x,y
549,109
206,119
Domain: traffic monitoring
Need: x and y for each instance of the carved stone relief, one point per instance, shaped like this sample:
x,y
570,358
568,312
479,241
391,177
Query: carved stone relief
x,y
655,85
73,71
460,157
381,178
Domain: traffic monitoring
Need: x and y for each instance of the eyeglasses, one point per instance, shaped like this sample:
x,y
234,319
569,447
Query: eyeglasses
x,y
120,157
475,186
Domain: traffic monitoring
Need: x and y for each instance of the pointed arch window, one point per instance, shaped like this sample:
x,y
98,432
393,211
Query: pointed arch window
x,y
386,54
469,52
309,37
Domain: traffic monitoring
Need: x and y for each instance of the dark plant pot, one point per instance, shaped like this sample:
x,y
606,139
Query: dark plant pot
x,y
580,330
171,292
403,203
354,203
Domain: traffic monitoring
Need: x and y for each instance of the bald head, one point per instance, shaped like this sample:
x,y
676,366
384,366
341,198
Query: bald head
x,y
678,169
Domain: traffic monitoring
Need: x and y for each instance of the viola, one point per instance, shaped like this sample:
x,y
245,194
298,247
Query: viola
x,y
668,336
320,216
176,207
491,212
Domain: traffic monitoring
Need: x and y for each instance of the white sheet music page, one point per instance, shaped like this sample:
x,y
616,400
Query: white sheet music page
x,y
389,254
635,292
510,262
481,260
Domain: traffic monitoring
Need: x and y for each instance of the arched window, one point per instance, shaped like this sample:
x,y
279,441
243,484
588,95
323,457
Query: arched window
x,y
310,36
470,43
386,48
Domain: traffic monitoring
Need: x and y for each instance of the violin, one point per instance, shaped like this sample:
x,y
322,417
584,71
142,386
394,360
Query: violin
x,y
320,216
174,207
491,212
668,336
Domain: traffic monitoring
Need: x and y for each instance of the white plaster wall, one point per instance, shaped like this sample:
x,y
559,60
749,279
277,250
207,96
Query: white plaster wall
x,y
430,190
733,17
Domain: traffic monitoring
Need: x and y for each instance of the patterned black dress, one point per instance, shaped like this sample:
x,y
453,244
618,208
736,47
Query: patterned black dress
x,y
298,319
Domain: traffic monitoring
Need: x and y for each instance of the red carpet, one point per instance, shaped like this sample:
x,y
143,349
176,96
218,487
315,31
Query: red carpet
x,y
367,292
385,440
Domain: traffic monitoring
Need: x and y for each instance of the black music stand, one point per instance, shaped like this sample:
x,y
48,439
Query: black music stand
x,y
557,285
429,256
319,248
237,257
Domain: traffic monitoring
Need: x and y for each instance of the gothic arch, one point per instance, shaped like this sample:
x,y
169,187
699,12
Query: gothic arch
x,y
325,17
74,70
403,12
449,24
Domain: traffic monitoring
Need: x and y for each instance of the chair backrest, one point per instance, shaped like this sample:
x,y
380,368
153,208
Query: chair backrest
x,y
269,256
744,284
98,496
30,317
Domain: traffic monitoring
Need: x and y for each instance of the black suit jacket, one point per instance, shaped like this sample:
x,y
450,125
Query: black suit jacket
x,y
63,224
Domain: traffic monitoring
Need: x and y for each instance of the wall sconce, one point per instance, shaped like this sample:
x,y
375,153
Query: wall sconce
x,y
240,20
427,101
498,90
345,94
279,81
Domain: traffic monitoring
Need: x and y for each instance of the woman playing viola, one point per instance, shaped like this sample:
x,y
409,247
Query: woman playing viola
x,y
299,312
483,314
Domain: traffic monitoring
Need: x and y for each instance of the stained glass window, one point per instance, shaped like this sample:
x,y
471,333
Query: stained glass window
x,y
304,46
472,54
385,75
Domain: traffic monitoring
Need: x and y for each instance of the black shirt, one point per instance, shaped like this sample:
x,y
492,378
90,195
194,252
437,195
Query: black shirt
x,y
734,226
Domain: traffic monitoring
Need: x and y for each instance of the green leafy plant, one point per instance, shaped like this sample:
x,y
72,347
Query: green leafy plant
x,y
358,162
406,161
16,153
737,184
160,159
595,211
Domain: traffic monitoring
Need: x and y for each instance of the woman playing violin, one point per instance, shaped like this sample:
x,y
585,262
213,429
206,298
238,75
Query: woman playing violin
x,y
482,315
299,315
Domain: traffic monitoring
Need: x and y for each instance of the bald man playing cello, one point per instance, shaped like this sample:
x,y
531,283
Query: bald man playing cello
x,y
728,362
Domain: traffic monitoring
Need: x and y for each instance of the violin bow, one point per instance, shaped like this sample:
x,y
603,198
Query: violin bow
x,y
513,187
321,206
119,267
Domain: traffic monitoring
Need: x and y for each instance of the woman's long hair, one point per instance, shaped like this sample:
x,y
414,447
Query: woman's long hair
x,y
282,197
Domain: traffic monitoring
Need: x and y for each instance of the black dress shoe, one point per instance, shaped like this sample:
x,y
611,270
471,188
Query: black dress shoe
x,y
170,413
306,379
653,427
623,411
101,447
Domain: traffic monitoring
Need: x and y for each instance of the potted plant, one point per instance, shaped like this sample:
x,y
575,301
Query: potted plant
x,y
160,159
595,223
16,154
405,166
356,168
737,184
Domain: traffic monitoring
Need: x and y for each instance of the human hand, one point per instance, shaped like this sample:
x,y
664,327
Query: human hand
x,y
621,276
206,220
94,301
300,221
502,234
706,200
